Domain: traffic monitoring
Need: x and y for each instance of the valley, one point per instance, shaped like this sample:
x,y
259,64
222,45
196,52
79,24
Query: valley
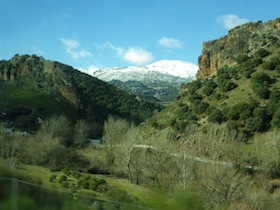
x,y
215,146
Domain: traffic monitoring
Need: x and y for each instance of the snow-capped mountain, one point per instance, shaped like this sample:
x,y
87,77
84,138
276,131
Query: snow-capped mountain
x,y
174,67
160,80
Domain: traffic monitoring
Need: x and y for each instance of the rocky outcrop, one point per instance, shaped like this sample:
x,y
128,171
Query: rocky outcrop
x,y
242,40
43,73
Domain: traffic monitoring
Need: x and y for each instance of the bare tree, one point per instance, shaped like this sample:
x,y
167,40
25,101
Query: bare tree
x,y
81,132
219,186
114,131
56,127
269,153
10,144
37,148
185,170
157,158
126,151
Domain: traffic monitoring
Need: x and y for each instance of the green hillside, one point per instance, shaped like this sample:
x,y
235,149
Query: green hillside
x,y
244,93
33,88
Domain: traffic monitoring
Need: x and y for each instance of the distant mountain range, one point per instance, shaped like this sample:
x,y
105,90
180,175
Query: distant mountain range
x,y
158,81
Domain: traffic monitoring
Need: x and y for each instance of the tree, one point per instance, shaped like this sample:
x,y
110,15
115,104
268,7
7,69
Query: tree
x,y
57,127
219,186
127,151
214,115
10,145
157,158
268,154
262,53
38,148
81,132
114,130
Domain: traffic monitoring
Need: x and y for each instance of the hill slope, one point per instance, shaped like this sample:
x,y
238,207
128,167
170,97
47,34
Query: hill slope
x,y
33,88
238,83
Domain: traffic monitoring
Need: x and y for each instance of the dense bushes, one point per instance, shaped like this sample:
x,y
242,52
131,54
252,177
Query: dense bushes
x,y
224,79
260,84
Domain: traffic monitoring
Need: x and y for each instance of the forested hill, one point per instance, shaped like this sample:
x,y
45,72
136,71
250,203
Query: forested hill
x,y
237,85
32,88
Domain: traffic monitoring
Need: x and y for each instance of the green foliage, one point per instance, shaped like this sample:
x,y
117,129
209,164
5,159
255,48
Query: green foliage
x,y
214,115
200,107
62,178
209,87
180,125
52,177
240,111
272,63
275,122
119,195
66,171
194,86
195,97
274,102
260,84
242,58
66,157
224,79
247,67
262,53
254,124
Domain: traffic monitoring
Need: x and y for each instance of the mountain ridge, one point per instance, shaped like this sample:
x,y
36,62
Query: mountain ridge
x,y
160,80
33,87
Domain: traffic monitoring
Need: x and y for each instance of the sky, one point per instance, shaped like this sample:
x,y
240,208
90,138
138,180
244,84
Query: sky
x,y
89,34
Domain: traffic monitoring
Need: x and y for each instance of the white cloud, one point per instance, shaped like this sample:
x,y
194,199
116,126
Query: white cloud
x,y
120,51
73,48
138,56
38,51
170,43
230,21
133,55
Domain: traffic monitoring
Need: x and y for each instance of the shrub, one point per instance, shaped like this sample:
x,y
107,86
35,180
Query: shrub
x,y
76,175
52,177
242,58
271,64
195,97
262,53
64,184
62,179
254,124
209,87
201,107
260,84
66,171
275,122
93,185
194,86
274,102
180,126
215,115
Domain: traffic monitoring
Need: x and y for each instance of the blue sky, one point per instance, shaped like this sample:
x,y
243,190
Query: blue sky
x,y
107,33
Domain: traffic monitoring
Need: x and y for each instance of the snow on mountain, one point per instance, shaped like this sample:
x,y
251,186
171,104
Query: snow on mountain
x,y
160,80
175,68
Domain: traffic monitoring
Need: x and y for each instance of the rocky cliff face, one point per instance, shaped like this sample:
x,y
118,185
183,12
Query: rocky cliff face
x,y
242,40
41,72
